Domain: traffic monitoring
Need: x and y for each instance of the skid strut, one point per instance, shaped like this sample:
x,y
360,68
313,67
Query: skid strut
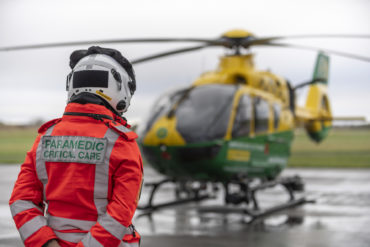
x,y
248,193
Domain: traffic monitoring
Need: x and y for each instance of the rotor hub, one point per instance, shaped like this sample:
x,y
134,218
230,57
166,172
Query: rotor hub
x,y
236,39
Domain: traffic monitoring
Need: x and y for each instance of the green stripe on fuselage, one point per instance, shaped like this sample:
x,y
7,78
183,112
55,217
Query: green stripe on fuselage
x,y
220,160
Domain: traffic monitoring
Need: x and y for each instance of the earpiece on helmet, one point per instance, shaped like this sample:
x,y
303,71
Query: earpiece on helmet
x,y
121,105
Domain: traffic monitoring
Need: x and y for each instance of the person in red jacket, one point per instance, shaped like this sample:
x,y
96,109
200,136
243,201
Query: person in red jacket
x,y
80,183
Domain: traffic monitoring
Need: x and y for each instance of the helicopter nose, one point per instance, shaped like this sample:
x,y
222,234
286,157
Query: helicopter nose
x,y
164,132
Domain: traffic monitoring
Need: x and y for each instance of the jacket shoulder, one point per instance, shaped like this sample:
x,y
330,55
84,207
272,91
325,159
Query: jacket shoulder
x,y
47,125
123,131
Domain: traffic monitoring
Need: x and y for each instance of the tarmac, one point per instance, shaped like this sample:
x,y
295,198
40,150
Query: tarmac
x,y
339,217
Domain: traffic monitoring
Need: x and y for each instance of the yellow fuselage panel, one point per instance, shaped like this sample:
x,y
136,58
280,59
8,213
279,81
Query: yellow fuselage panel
x,y
315,95
286,120
240,70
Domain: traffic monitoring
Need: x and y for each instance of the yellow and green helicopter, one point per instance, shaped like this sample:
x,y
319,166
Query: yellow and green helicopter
x,y
233,125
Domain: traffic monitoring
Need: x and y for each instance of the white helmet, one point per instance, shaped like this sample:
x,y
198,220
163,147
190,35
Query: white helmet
x,y
102,75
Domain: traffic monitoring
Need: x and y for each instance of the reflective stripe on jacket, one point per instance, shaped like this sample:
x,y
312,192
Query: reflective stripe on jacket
x,y
79,183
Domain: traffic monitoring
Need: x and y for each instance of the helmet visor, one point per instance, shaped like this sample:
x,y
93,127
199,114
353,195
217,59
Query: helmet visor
x,y
90,78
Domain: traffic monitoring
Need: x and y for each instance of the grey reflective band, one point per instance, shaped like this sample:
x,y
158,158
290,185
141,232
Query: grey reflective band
x,y
90,241
79,149
122,128
31,226
59,223
112,226
22,205
102,175
73,237
40,164
125,244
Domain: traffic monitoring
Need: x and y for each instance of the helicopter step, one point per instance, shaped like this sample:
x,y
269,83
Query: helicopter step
x,y
184,194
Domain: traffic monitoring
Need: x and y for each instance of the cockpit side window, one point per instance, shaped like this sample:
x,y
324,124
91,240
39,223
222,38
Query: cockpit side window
x,y
261,115
163,106
242,123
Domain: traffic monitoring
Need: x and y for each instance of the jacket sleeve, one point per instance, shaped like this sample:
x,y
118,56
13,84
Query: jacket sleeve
x,y
115,225
26,204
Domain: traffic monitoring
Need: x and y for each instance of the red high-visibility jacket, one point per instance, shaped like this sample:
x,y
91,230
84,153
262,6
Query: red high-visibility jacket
x,y
80,182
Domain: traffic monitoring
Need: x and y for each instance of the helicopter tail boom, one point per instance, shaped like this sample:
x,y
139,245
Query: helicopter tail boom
x,y
316,114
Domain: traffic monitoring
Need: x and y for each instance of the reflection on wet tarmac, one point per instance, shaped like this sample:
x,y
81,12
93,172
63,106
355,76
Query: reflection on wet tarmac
x,y
340,216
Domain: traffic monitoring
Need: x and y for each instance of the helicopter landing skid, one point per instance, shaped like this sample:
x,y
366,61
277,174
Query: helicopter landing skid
x,y
150,207
255,214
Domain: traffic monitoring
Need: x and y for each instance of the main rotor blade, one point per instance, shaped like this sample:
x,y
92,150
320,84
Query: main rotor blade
x,y
334,52
169,53
107,41
308,36
221,42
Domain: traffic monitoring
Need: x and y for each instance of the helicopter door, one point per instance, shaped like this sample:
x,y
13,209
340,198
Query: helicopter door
x,y
261,116
278,141
242,123
241,148
261,123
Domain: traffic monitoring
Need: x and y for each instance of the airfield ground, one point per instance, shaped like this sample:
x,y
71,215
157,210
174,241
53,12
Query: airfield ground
x,y
340,216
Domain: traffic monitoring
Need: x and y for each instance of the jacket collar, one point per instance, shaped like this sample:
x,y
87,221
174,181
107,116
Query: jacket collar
x,y
93,109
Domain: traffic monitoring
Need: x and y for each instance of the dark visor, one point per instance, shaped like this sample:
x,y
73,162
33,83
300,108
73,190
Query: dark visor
x,y
90,78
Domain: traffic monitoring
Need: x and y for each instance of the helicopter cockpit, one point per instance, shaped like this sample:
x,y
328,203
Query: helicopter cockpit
x,y
202,112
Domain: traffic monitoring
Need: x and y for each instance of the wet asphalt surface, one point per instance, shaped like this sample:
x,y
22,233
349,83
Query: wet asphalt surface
x,y
340,216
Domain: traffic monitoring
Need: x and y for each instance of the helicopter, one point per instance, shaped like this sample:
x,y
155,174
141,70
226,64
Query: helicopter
x,y
232,126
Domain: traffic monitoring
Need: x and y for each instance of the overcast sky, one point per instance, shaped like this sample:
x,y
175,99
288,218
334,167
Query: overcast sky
x,y
33,82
